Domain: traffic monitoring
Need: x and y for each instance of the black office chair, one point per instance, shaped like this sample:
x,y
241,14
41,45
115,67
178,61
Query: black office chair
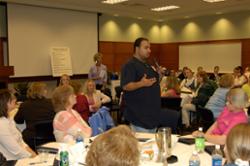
x,y
206,117
170,118
173,103
44,133
2,159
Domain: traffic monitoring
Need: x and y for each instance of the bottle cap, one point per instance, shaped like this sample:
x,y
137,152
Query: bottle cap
x,y
200,129
217,146
195,152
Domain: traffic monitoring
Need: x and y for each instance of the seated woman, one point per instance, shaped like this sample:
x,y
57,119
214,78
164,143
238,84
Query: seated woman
x,y
217,101
95,97
36,108
189,82
231,115
237,148
170,88
239,78
246,87
12,145
82,105
64,80
200,98
67,121
117,147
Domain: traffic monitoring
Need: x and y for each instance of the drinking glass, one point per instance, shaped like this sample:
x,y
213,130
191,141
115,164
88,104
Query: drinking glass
x,y
163,141
43,155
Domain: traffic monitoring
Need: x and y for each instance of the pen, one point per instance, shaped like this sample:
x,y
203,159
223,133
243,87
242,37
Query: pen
x,y
39,162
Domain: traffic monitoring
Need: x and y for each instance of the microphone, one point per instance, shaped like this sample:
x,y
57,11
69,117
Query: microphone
x,y
156,63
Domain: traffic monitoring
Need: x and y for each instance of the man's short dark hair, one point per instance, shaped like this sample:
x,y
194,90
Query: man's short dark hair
x,y
138,41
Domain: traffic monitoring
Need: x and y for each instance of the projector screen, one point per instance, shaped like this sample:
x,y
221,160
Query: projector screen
x,y
225,55
33,31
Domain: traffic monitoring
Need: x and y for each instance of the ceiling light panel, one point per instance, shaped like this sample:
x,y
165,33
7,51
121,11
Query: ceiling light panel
x,y
164,8
113,1
212,1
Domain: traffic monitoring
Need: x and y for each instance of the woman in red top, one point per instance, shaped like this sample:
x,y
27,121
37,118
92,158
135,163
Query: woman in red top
x,y
82,105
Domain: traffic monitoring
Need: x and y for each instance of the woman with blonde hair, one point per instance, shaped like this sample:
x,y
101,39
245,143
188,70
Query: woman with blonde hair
x,y
95,97
36,108
64,80
232,114
171,87
116,147
67,121
98,72
238,146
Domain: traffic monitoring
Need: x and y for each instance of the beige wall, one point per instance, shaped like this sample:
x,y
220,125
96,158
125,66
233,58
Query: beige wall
x,y
127,29
217,27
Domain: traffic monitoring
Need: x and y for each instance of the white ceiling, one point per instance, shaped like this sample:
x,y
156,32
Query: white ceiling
x,y
141,8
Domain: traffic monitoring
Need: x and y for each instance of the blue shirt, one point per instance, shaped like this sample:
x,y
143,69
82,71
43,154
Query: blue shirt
x,y
217,101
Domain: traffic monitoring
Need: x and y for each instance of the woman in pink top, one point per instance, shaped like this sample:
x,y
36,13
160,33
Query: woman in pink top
x,y
232,115
67,121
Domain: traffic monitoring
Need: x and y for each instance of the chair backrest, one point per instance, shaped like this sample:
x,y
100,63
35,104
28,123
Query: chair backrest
x,y
2,158
43,132
101,121
173,103
206,117
205,114
118,91
169,118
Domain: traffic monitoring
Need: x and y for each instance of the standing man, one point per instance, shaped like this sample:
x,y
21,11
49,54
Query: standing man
x,y
140,83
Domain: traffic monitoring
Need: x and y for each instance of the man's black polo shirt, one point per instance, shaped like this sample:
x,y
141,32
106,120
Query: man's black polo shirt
x,y
142,106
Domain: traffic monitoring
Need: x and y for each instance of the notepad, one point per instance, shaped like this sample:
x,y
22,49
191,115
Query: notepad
x,y
188,141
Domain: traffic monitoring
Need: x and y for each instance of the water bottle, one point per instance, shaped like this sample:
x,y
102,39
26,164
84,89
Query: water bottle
x,y
200,141
79,137
217,156
194,159
64,157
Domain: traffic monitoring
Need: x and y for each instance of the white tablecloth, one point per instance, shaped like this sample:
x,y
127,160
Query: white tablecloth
x,y
182,151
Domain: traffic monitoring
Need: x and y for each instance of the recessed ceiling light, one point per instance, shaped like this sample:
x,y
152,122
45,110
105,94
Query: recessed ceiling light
x,y
160,20
218,13
113,1
139,18
116,15
212,1
171,7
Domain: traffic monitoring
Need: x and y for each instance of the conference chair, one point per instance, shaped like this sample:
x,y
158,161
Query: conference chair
x,y
173,103
44,133
170,118
206,117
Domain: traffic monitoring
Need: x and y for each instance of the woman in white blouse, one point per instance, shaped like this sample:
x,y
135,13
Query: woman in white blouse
x,y
95,97
12,145
189,82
